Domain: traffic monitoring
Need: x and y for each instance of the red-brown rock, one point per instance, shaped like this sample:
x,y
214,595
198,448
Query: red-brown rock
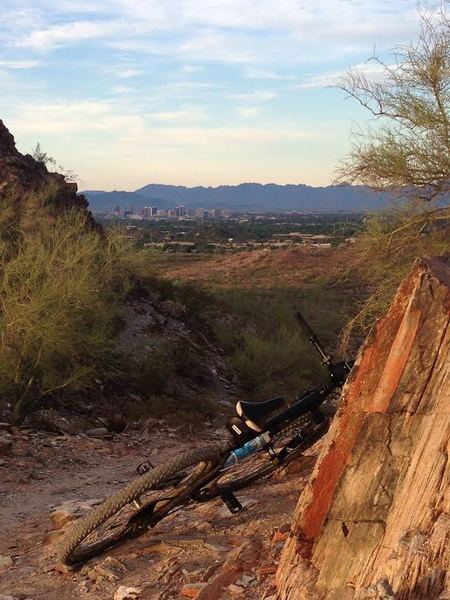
x,y
374,520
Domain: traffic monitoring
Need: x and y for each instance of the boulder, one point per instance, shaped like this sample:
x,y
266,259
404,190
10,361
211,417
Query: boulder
x,y
5,562
6,443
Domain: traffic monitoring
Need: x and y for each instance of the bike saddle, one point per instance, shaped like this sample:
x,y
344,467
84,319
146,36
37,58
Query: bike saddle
x,y
256,413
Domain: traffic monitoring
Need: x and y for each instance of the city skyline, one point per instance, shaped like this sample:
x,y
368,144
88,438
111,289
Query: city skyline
x,y
131,92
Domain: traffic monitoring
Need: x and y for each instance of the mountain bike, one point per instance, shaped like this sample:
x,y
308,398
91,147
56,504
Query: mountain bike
x,y
263,437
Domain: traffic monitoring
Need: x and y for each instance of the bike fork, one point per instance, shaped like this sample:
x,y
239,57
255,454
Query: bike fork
x,y
231,502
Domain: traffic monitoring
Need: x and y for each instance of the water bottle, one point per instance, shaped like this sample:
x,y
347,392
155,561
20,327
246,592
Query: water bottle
x,y
247,449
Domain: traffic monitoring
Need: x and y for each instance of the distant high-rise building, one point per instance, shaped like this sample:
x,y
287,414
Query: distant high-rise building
x,y
172,213
181,211
217,213
153,211
201,213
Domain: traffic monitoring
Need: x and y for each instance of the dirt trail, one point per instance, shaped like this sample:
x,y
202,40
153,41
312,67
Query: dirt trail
x,y
188,549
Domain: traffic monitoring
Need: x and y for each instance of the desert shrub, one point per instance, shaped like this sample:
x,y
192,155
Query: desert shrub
x,y
191,295
59,289
390,243
267,348
267,365
154,380
150,375
155,371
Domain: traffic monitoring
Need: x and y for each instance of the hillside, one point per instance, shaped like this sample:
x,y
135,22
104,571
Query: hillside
x,y
256,269
244,197
81,330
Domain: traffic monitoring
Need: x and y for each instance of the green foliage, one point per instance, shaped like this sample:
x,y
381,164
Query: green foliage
x,y
192,296
263,363
59,291
408,151
409,148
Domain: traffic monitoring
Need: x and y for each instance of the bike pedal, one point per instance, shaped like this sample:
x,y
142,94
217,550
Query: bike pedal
x,y
144,467
232,503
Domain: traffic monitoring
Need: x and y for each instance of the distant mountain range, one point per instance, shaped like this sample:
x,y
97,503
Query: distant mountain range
x,y
244,197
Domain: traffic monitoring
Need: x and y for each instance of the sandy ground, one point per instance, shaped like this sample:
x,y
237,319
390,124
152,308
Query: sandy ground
x,y
41,471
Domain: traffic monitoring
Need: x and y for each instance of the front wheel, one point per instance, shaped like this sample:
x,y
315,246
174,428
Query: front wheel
x,y
142,503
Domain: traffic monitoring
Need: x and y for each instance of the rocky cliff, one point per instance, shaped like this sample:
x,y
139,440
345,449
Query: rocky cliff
x,y
374,520
27,187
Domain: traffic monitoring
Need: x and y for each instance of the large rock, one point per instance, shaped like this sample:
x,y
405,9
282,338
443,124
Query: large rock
x,y
5,562
70,511
6,442
374,520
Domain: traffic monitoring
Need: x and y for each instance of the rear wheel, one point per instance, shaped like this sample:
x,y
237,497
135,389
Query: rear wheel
x,y
263,463
141,504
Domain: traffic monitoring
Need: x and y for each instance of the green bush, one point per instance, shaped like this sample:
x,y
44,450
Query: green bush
x,y
268,349
267,364
59,287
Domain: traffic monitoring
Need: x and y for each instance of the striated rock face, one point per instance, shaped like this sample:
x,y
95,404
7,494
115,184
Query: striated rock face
x,y
374,520
27,188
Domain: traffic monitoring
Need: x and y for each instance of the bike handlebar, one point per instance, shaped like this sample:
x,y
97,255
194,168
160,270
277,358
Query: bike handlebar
x,y
313,339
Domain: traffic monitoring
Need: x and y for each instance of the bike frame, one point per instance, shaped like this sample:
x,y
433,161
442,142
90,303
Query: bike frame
x,y
309,401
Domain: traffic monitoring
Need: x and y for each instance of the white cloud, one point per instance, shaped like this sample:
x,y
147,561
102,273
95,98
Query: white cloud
x,y
252,73
192,68
235,47
60,35
372,70
119,122
248,112
126,73
256,96
187,116
18,64
215,46
226,31
122,89
62,117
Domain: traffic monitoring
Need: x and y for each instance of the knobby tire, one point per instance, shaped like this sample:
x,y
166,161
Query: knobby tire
x,y
71,549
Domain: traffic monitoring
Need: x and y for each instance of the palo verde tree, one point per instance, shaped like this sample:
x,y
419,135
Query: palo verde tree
x,y
406,152
409,148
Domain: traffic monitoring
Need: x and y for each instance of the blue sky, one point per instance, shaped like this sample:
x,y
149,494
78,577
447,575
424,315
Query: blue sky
x,y
193,92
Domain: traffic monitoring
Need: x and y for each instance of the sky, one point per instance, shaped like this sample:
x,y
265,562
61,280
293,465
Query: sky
x,y
192,92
